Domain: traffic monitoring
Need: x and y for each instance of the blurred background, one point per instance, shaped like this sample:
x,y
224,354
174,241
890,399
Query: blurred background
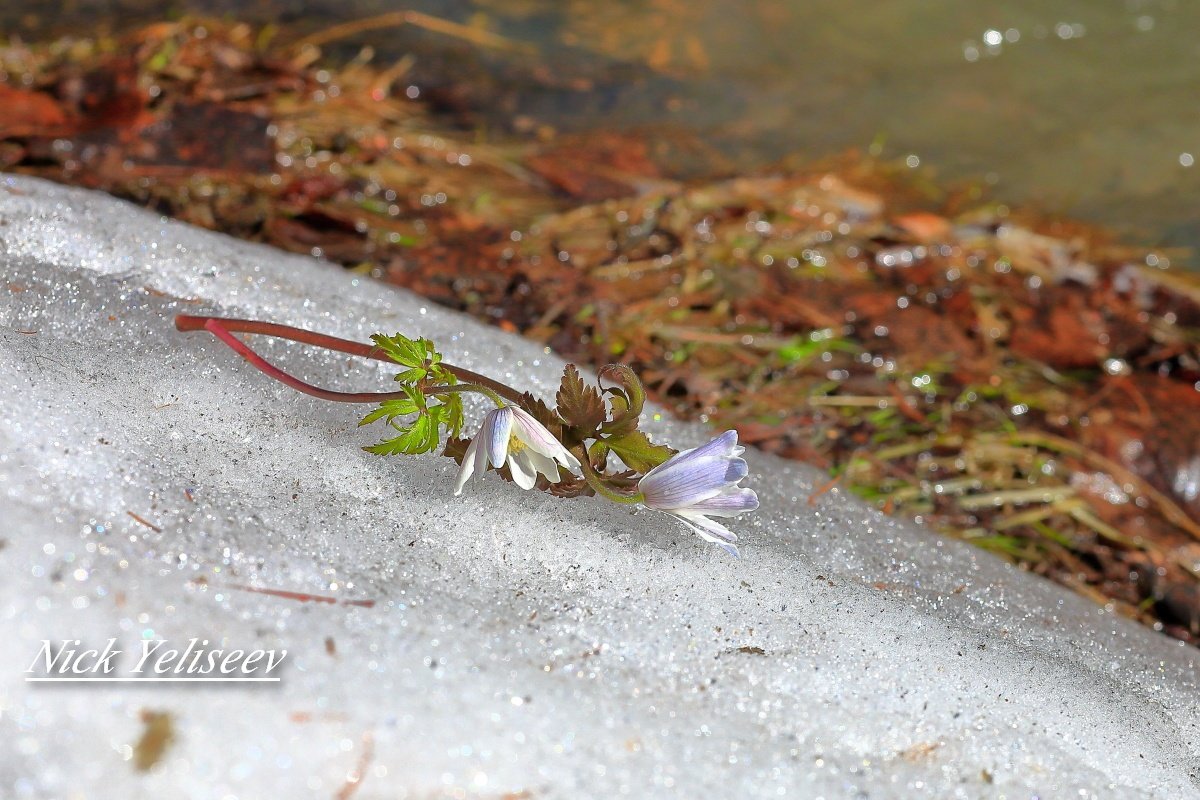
x,y
1077,107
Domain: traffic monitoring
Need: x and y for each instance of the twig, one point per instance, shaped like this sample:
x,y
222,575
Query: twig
x,y
823,489
149,525
355,777
302,597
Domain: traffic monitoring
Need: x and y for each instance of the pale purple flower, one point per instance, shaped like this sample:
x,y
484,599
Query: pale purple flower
x,y
510,435
701,483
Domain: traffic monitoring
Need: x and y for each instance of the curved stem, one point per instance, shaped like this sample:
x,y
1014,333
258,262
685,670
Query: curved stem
x,y
597,483
467,387
217,329
188,322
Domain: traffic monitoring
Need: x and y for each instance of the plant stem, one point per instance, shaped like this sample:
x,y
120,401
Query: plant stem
x,y
222,327
597,482
466,387
217,329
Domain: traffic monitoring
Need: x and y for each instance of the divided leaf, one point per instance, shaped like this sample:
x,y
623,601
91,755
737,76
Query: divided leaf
x,y
420,436
638,452
456,448
451,413
627,399
411,375
579,404
398,407
623,420
419,355
403,350
570,486
422,433
598,455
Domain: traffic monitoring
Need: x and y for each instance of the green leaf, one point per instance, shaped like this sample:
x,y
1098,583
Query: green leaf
x,y
397,407
623,419
598,455
626,399
453,418
580,405
404,351
412,375
421,436
637,451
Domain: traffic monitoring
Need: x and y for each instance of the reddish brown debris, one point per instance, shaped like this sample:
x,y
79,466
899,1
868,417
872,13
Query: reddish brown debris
x,y
303,597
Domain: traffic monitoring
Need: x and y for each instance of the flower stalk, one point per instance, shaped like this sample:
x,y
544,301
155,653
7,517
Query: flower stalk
x,y
596,482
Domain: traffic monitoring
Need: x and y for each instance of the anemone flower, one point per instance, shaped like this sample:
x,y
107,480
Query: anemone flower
x,y
509,434
696,484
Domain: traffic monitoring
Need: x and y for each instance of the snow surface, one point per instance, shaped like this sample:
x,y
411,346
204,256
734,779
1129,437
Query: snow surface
x,y
519,645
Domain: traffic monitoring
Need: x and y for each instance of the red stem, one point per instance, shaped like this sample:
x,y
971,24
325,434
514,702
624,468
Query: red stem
x,y
222,328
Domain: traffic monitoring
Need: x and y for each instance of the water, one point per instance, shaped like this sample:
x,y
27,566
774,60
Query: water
x,y
1079,107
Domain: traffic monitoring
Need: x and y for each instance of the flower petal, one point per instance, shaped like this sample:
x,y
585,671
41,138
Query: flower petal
x,y
727,504
534,433
711,531
497,427
691,481
736,470
568,459
523,472
480,445
723,446
539,439
544,465
467,468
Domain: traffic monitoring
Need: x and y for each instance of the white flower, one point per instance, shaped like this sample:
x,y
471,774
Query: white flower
x,y
509,434
701,483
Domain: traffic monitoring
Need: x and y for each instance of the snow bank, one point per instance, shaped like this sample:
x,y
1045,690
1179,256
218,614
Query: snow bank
x,y
506,644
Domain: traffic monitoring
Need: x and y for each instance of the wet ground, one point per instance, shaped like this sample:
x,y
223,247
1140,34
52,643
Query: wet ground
x,y
1080,108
